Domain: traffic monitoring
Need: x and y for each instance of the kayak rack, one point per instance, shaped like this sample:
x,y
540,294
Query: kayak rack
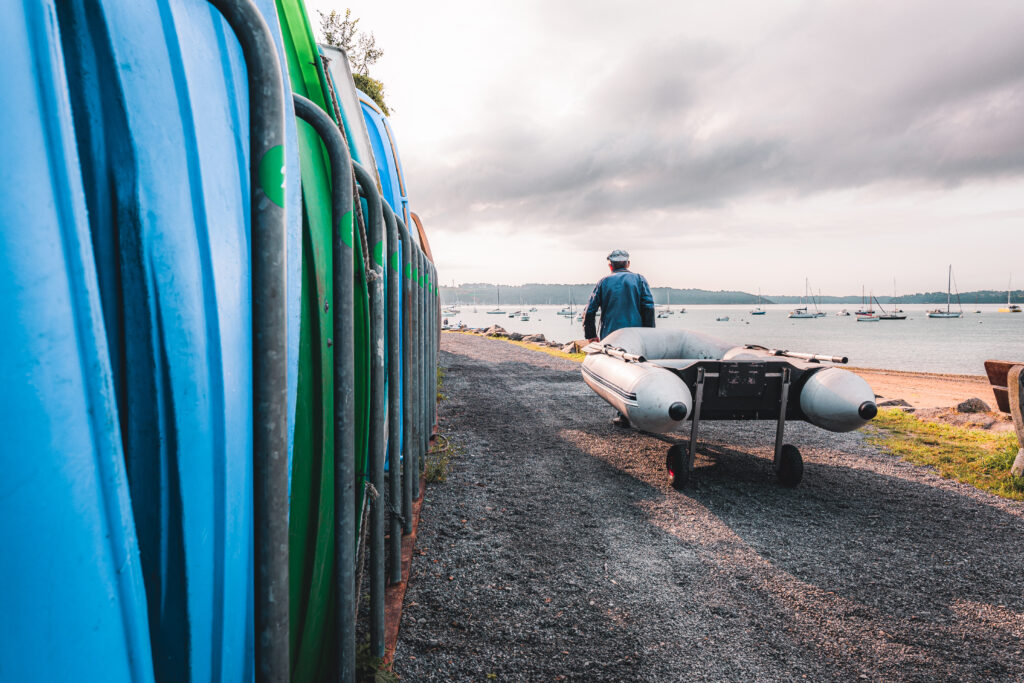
x,y
745,386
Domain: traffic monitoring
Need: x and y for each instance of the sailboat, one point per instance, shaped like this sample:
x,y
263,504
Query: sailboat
x,y
948,313
1010,307
497,310
757,309
868,316
665,310
567,311
896,313
865,304
801,311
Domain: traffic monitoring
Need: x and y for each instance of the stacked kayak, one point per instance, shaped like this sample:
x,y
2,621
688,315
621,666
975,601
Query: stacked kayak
x,y
128,348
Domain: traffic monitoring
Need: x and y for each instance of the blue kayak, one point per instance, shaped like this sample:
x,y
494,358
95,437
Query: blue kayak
x,y
126,358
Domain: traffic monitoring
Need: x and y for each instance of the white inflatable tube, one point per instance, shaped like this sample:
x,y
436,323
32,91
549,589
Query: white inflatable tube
x,y
837,400
653,398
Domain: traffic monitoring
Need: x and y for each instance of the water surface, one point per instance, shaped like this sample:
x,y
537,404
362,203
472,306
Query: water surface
x,y
957,345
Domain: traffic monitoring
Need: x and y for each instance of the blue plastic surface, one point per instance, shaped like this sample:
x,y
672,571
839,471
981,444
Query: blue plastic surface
x,y
389,170
126,355
389,163
71,589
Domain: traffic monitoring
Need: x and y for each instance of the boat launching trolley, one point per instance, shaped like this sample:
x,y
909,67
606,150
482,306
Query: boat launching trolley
x,y
660,378
741,390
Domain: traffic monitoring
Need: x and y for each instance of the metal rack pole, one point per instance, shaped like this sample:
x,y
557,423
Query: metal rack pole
x,y
392,266
407,377
375,236
269,334
343,346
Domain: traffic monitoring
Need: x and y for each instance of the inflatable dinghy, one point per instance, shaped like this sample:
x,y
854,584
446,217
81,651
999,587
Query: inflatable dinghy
x,y
663,379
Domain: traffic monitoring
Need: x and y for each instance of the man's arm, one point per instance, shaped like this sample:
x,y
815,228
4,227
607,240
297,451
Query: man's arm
x,y
590,317
646,303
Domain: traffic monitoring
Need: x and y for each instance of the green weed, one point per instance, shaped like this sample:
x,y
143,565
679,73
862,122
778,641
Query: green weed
x,y
972,456
437,462
370,669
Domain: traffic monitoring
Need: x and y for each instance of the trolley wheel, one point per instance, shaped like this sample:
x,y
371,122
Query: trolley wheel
x,y
675,463
791,466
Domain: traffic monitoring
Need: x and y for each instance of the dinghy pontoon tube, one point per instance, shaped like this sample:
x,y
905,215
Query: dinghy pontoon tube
x,y
658,378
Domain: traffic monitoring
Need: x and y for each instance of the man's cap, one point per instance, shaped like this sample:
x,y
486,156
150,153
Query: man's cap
x,y
619,256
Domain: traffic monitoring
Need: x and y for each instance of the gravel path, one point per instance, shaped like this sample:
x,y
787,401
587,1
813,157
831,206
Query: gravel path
x,y
557,550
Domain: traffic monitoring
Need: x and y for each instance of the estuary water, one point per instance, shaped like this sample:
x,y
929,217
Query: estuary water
x,y
919,343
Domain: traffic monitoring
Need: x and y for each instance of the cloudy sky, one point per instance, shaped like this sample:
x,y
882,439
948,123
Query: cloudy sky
x,y
727,145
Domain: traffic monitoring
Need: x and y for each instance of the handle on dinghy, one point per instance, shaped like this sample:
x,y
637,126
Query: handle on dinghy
x,y
812,357
614,352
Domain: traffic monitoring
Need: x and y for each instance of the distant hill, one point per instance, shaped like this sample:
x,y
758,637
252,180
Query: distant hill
x,y
486,294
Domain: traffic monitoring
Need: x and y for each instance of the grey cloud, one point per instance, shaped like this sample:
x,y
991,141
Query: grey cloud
x,y
841,103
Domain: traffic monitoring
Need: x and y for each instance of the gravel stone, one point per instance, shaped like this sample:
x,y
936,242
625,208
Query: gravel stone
x,y
557,550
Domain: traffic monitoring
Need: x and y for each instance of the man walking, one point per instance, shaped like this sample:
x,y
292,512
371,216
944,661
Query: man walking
x,y
624,298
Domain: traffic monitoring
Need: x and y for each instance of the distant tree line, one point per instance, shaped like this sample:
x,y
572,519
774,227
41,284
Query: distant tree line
x,y
487,294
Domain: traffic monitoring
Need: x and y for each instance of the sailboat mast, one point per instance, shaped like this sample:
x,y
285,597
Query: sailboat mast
x,y
949,285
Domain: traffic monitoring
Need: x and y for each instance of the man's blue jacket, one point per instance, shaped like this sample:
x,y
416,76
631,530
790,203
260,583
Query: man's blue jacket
x,y
625,300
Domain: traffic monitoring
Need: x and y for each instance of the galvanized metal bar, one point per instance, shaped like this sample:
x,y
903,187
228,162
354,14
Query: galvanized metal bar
x,y
435,310
269,334
378,404
432,369
418,369
698,401
425,365
407,337
413,367
343,347
428,287
416,375
780,427
392,266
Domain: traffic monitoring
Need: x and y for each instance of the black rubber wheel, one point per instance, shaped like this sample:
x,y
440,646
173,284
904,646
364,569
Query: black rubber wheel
x,y
675,463
791,466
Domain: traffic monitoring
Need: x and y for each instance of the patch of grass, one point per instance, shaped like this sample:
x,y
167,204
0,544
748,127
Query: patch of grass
x,y
370,669
972,456
437,462
440,384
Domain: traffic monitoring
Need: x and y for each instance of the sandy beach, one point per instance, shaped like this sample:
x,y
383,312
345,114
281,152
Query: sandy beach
x,y
926,389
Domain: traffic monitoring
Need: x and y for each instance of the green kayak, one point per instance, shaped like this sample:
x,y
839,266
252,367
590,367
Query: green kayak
x,y
311,522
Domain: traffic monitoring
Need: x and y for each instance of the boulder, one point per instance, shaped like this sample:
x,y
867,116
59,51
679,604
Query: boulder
x,y
973,405
515,336
894,403
534,338
569,348
495,330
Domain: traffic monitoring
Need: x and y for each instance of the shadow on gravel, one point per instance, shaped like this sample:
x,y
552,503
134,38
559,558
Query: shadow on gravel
x,y
558,549
867,567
